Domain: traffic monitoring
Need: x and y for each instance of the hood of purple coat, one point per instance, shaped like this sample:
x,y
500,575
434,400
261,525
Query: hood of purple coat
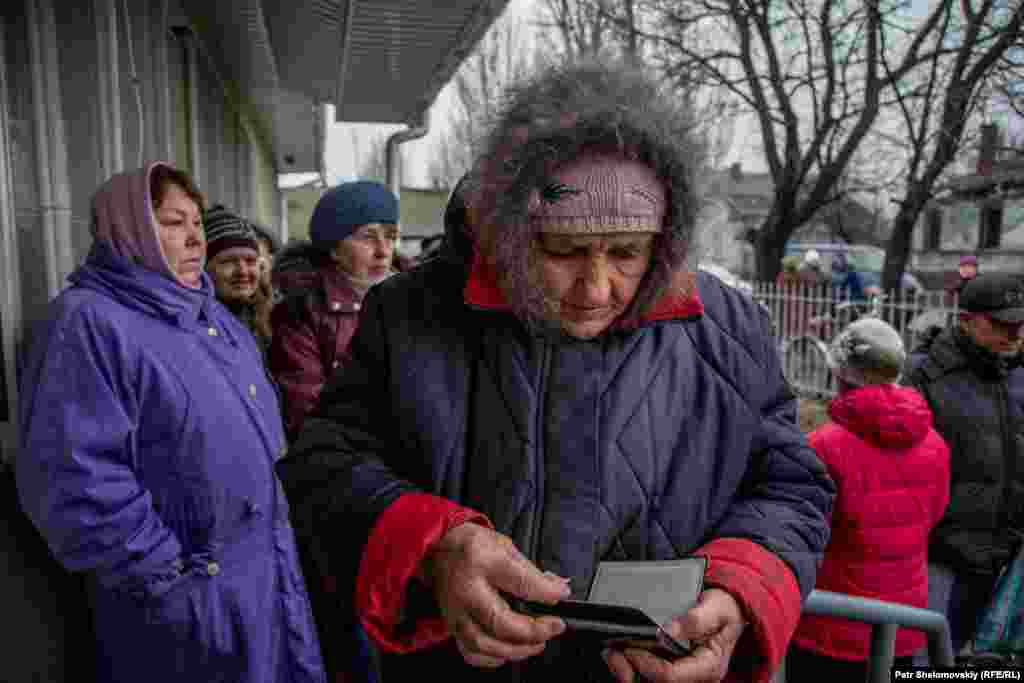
x,y
123,220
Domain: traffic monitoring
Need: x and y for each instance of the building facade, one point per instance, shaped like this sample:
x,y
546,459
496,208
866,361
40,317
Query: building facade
x,y
92,88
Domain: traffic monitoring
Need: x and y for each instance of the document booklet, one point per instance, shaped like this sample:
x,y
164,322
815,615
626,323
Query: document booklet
x,y
629,603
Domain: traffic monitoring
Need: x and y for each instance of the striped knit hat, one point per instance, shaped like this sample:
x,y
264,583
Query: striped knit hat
x,y
226,230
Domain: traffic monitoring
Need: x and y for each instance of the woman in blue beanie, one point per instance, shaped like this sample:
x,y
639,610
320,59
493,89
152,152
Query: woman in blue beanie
x,y
353,232
352,247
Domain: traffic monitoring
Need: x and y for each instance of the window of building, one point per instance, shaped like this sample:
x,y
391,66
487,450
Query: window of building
x,y
991,227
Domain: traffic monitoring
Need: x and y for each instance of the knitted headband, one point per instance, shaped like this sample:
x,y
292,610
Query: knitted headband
x,y
226,230
600,193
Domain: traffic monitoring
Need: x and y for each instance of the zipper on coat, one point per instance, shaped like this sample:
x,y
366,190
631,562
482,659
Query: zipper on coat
x,y
540,411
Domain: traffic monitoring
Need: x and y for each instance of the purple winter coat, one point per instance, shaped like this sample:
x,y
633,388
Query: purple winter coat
x,y
149,436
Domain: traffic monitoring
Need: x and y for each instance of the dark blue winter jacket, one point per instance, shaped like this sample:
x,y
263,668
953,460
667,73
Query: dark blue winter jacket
x,y
644,444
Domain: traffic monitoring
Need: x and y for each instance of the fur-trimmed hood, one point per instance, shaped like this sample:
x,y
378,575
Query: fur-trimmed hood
x,y
295,267
549,120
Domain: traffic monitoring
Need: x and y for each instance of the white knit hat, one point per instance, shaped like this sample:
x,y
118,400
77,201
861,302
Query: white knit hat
x,y
867,348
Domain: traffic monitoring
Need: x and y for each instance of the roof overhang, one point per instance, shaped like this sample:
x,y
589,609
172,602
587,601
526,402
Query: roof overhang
x,y
377,61
298,133
235,36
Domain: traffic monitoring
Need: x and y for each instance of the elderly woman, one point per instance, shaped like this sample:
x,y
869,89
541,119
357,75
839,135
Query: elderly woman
x,y
554,390
149,435
353,232
892,471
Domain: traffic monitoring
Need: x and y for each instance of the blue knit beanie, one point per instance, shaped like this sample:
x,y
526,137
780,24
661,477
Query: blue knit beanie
x,y
342,209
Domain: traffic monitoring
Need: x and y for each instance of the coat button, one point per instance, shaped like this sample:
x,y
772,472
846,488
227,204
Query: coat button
x,y
335,365
357,306
212,331
283,452
252,390
213,569
335,306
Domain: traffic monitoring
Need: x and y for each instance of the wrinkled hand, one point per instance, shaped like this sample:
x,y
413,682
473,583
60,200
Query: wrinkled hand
x,y
466,570
713,626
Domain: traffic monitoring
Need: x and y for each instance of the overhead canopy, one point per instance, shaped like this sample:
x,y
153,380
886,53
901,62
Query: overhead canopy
x,y
235,34
377,61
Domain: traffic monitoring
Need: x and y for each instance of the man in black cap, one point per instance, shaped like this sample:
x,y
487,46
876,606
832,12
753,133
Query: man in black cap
x,y
972,378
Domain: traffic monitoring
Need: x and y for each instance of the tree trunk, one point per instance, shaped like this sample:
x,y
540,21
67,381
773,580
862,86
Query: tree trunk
x,y
897,252
769,248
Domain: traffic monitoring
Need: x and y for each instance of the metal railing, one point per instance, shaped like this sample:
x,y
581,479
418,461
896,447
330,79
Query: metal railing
x,y
886,618
805,318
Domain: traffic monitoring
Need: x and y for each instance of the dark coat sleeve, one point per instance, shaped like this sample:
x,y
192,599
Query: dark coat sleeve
x,y
786,496
335,474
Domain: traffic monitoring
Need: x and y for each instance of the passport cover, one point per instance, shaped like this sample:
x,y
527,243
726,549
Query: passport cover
x,y
630,602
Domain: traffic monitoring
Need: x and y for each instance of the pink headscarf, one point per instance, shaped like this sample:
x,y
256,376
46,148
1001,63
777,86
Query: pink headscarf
x,y
122,218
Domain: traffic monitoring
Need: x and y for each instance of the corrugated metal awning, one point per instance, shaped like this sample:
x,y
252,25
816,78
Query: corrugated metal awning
x,y
236,36
378,61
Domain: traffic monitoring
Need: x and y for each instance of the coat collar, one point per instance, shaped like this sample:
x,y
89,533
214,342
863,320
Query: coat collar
x,y
482,290
340,295
143,289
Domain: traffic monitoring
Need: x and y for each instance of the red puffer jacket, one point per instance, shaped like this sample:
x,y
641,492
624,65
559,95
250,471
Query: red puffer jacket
x,y
312,330
892,472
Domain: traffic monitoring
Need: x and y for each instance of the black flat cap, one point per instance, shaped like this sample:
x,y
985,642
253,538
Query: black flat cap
x,y
1000,295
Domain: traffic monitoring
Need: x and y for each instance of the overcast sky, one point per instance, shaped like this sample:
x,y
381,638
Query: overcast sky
x,y
343,162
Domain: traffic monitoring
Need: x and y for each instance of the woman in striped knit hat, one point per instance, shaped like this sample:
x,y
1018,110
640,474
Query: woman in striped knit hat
x,y
233,262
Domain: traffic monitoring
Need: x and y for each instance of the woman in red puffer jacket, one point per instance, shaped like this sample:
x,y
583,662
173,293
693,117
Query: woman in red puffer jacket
x,y
891,469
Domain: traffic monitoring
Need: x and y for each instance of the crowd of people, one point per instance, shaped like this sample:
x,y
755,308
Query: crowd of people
x,y
318,463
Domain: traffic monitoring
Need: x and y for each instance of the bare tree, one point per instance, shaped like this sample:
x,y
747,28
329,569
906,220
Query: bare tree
x,y
621,27
951,90
502,57
819,75
580,27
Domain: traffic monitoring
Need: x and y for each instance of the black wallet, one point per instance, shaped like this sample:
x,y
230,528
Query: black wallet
x,y
629,603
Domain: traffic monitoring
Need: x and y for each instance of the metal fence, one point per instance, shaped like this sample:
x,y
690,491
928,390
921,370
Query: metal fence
x,y
805,318
885,618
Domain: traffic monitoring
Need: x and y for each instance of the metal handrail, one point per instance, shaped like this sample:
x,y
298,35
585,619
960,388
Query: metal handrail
x,y
885,618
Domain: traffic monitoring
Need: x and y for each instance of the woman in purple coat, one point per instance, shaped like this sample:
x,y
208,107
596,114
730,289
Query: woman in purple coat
x,y
149,436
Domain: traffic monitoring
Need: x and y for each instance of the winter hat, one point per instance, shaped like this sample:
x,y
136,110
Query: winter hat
x,y
968,260
868,351
999,295
226,230
342,209
600,193
548,120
